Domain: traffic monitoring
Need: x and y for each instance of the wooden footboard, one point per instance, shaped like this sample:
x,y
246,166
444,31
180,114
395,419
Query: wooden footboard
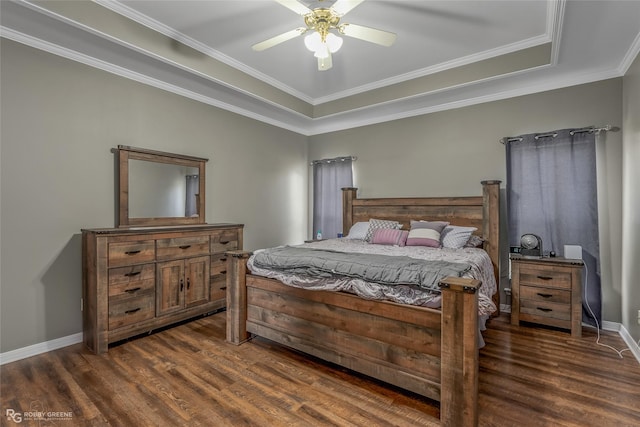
x,y
430,352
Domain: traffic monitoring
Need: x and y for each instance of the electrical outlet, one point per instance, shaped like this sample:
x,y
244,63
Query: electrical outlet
x,y
81,304
638,317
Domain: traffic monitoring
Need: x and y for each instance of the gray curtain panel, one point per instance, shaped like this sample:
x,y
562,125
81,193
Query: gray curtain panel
x,y
328,180
552,192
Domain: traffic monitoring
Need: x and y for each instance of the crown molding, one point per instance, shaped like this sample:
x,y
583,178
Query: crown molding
x,y
630,56
134,15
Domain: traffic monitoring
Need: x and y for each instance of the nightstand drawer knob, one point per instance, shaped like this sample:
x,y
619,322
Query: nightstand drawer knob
x,y
545,277
545,295
546,310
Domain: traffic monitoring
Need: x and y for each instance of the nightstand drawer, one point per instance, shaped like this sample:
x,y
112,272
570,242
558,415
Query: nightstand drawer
x,y
536,293
544,309
545,276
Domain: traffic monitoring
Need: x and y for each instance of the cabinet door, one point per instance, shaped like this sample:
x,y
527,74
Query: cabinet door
x,y
197,281
170,287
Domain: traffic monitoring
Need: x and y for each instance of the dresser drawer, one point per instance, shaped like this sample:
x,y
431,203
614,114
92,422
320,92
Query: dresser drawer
x,y
218,264
224,240
182,247
131,280
218,287
545,276
129,253
128,310
536,293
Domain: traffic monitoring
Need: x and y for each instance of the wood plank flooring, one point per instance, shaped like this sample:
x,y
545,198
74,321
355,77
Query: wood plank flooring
x,y
189,376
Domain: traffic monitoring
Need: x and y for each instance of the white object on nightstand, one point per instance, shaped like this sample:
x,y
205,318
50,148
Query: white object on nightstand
x,y
573,251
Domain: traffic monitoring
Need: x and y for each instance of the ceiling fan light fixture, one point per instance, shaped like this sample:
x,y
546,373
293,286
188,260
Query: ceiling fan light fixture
x,y
334,43
313,41
322,52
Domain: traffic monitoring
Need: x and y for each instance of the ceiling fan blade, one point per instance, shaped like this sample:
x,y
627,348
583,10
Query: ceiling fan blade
x,y
296,6
341,7
368,34
279,39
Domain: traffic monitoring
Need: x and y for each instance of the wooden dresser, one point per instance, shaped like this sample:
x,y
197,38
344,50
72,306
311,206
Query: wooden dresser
x,y
547,291
135,280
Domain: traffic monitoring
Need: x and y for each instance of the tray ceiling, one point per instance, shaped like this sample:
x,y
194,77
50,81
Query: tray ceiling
x,y
447,53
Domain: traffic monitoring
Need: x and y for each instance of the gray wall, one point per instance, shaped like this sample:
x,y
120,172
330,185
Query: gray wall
x,y
450,152
60,120
631,209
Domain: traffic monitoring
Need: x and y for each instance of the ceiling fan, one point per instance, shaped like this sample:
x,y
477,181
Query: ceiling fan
x,y
320,21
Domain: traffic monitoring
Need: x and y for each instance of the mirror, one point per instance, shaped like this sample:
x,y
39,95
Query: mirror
x,y
157,188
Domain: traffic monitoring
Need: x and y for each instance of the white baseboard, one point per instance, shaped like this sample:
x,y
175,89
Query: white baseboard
x,y
43,347
625,335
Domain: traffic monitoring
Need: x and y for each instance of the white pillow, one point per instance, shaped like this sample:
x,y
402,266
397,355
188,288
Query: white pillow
x,y
358,230
455,237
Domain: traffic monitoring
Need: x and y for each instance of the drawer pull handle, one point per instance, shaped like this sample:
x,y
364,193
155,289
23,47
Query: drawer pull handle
x,y
224,242
545,277
188,283
181,285
132,311
223,259
223,272
133,252
133,273
546,310
223,288
132,290
545,295
184,246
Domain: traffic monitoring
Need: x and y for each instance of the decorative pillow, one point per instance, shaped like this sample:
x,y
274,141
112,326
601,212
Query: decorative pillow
x,y
374,224
425,233
456,237
358,230
389,236
474,242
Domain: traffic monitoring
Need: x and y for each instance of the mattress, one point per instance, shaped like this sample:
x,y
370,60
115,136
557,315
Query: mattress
x,y
479,261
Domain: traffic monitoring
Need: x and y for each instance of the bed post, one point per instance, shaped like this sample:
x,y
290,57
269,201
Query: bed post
x,y
237,297
459,352
348,195
491,230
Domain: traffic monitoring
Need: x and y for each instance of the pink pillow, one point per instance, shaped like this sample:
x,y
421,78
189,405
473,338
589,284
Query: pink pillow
x,y
389,236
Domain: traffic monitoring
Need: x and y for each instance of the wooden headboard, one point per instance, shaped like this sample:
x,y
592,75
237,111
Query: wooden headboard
x,y
482,212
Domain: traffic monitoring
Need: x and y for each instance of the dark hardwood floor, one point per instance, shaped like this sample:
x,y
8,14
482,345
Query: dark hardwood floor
x,y
188,375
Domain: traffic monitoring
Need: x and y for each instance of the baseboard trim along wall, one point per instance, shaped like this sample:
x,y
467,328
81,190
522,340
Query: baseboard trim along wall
x,y
35,349
43,347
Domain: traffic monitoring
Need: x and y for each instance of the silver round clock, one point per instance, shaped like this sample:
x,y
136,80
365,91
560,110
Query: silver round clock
x,y
531,245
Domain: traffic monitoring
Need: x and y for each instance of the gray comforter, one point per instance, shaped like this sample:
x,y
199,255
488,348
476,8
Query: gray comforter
x,y
384,269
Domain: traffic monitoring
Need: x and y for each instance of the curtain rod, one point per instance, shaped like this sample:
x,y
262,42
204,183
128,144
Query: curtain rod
x,y
590,129
335,159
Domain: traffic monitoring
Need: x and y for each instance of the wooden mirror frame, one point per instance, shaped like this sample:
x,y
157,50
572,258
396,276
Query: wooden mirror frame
x,y
124,154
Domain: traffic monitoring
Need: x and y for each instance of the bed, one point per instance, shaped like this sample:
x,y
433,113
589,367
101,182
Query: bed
x,y
432,352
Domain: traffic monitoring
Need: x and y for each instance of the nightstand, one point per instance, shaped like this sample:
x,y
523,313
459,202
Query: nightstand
x,y
547,291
